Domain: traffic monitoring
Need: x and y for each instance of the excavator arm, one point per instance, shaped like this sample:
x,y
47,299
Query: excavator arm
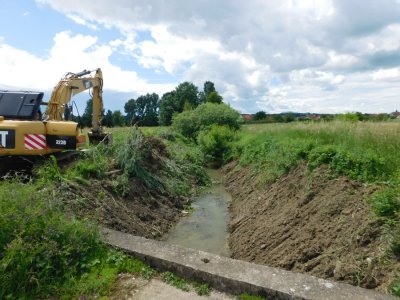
x,y
71,85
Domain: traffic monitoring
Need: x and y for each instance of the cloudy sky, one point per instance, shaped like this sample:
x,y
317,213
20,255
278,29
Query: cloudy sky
x,y
276,55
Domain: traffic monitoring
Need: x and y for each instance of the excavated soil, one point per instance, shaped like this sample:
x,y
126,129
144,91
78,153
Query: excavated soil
x,y
309,223
145,211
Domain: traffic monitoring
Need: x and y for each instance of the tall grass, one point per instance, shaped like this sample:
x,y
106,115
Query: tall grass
x,y
363,151
45,253
350,148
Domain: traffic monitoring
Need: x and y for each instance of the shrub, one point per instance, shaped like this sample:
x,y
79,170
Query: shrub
x,y
40,248
366,166
215,142
386,202
189,123
46,254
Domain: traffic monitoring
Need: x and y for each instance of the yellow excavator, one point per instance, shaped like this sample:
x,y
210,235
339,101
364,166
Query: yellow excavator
x,y
25,132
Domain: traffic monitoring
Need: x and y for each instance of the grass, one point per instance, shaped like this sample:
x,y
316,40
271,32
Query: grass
x,y
185,285
46,252
363,151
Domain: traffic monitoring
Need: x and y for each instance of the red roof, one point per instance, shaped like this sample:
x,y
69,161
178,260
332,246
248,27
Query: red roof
x,y
247,117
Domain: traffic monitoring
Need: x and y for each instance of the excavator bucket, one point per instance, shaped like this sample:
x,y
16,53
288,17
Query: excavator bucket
x,y
97,138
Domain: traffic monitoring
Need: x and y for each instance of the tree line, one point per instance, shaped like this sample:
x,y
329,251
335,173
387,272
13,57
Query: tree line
x,y
151,110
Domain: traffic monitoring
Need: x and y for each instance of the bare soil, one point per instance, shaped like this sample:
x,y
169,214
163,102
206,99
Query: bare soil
x,y
311,223
144,211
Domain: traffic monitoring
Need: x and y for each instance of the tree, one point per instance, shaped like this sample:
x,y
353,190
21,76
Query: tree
x,y
189,123
108,120
147,109
87,115
186,91
130,110
174,102
143,110
208,88
86,119
167,108
214,97
260,115
118,118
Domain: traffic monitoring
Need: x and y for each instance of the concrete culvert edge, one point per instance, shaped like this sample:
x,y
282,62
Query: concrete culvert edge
x,y
234,276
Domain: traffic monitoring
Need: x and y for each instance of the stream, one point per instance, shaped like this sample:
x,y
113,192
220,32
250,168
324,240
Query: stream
x,y
206,227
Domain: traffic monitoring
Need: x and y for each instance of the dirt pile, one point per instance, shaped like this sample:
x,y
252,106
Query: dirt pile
x,y
146,207
309,223
143,212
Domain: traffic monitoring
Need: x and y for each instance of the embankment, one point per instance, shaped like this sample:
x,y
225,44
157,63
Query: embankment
x,y
309,222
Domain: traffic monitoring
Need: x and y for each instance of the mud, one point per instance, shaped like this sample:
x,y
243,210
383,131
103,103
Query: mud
x,y
310,223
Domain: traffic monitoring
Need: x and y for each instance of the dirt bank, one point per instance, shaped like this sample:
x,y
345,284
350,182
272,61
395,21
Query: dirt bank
x,y
143,212
146,208
309,223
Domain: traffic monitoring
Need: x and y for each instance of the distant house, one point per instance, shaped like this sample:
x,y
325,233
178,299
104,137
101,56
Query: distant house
x,y
247,117
395,114
314,116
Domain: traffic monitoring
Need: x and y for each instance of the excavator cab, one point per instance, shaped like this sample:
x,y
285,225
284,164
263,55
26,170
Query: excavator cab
x,y
21,105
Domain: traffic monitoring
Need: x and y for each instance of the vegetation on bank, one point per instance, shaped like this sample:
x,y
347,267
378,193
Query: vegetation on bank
x,y
367,152
46,251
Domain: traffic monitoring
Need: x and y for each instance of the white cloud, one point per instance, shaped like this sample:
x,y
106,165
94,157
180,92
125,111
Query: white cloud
x,y
22,70
278,55
387,74
78,20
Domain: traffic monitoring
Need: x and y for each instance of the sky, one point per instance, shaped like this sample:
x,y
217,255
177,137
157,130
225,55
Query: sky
x,y
324,56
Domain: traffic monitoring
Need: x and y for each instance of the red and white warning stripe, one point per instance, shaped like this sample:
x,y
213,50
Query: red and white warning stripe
x,y
35,141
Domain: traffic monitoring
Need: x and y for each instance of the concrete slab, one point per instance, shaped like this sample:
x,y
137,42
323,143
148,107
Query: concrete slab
x,y
158,290
235,276
129,287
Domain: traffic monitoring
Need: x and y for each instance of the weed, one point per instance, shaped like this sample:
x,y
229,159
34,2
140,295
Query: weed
x,y
176,281
396,288
386,202
201,289
44,253
250,297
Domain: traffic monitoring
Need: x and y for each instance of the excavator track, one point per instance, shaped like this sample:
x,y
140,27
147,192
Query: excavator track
x,y
23,165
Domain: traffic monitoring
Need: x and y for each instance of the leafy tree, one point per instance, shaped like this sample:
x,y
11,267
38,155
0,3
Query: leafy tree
x,y
108,120
186,91
260,115
86,118
167,108
174,102
130,110
208,88
214,97
215,142
189,123
277,118
118,118
289,117
147,109
143,110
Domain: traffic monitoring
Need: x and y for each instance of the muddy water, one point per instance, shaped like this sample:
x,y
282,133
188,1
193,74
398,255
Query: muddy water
x,y
205,228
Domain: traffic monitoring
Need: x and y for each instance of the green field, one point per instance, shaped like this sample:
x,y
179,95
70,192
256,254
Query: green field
x,y
38,239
